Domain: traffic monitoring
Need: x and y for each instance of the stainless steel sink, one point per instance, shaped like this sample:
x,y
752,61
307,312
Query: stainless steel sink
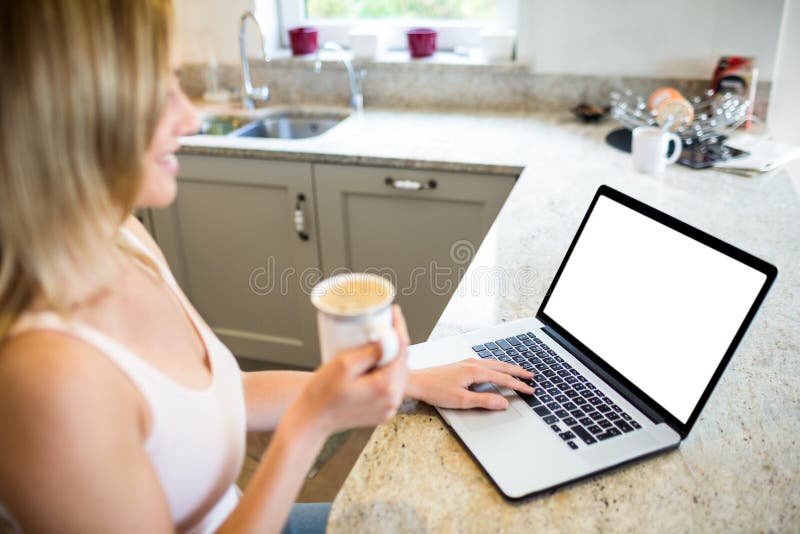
x,y
274,124
289,127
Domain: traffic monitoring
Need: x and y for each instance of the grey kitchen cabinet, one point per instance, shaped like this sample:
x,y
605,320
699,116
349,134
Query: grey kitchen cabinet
x,y
418,227
231,240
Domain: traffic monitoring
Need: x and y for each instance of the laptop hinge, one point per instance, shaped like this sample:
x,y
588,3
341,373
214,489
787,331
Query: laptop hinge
x,y
654,416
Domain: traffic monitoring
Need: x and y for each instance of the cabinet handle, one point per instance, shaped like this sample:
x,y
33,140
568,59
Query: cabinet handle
x,y
299,218
409,185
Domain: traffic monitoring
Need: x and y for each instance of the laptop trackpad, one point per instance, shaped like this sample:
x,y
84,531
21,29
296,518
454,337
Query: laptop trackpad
x,y
479,419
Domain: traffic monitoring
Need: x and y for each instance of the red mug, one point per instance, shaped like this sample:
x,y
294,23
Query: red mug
x,y
421,42
303,40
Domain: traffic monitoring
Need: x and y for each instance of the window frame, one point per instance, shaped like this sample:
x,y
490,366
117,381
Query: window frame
x,y
451,33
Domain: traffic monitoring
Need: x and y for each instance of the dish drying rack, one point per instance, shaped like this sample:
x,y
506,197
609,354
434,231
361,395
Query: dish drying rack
x,y
712,112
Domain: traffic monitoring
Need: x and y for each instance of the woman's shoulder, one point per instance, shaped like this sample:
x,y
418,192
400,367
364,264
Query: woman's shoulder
x,y
69,424
49,376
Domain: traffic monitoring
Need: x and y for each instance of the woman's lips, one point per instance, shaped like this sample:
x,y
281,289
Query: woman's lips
x,y
169,163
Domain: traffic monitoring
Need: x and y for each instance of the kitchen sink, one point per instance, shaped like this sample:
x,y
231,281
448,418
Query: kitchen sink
x,y
288,127
273,124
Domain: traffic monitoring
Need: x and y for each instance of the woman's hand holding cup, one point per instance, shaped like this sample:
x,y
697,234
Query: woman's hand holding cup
x,y
351,391
364,344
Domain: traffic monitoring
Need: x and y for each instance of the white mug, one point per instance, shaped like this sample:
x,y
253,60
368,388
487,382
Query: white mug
x,y
650,146
341,330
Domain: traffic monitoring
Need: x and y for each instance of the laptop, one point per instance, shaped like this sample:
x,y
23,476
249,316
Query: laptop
x,y
639,323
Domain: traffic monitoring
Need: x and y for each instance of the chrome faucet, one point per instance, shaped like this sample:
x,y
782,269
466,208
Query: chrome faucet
x,y
251,94
353,76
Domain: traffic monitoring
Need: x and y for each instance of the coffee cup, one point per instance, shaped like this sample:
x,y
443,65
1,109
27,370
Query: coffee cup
x,y
354,309
650,146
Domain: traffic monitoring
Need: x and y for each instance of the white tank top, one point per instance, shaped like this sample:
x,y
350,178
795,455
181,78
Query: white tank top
x,y
197,437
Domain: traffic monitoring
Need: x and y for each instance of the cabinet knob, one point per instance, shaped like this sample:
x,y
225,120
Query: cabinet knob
x,y
300,219
409,185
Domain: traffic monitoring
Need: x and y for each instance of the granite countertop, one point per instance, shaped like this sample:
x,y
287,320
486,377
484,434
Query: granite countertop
x,y
739,469
478,143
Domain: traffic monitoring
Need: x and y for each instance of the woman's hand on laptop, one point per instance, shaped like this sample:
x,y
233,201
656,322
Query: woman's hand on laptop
x,y
447,386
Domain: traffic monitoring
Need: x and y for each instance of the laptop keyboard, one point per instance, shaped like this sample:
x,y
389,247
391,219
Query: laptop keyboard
x,y
568,403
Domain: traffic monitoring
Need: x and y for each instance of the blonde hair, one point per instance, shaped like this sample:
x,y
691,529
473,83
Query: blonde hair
x,y
85,84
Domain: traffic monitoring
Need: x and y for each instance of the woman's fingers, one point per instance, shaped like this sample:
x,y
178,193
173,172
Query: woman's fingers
x,y
489,401
399,322
502,367
398,366
360,359
501,379
393,375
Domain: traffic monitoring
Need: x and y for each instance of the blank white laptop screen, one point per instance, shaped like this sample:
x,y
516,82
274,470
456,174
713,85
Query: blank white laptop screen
x,y
656,305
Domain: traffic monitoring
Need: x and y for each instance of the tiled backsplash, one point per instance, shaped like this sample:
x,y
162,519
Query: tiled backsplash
x,y
440,86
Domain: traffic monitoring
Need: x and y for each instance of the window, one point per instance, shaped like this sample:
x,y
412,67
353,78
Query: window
x,y
458,22
434,9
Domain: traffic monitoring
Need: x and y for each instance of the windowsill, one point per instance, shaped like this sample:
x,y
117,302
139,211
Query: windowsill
x,y
445,59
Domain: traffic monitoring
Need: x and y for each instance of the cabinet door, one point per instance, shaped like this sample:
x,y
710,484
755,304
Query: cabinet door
x,y
423,239
231,240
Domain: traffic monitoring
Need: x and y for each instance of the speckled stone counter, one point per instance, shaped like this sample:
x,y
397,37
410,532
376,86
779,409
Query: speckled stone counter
x,y
488,144
738,470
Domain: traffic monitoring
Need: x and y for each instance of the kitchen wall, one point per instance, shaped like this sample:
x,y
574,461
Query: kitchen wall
x,y
568,51
784,115
208,30
668,39
784,110
675,38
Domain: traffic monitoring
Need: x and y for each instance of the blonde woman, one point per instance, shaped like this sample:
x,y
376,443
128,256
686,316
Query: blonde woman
x,y
120,411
